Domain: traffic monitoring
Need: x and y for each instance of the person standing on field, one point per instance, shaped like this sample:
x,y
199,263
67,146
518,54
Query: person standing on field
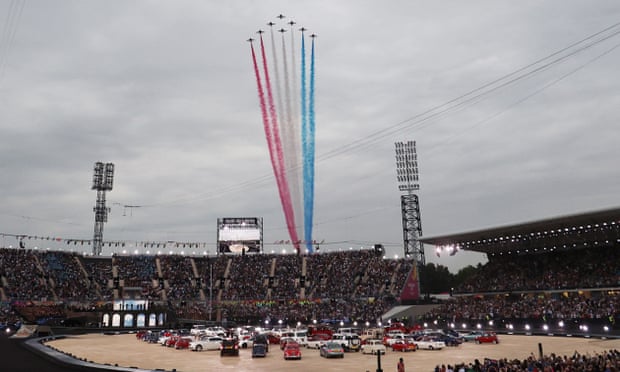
x,y
400,367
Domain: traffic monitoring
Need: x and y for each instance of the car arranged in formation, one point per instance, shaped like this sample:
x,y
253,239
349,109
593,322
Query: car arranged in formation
x,y
373,346
331,349
404,346
259,350
183,343
315,341
348,341
487,337
292,351
206,343
429,343
471,336
286,340
229,347
246,342
449,340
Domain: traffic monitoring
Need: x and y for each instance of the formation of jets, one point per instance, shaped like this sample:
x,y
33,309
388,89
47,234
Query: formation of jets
x,y
291,23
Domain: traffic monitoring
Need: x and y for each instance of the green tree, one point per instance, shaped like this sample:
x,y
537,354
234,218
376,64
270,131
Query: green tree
x,y
435,279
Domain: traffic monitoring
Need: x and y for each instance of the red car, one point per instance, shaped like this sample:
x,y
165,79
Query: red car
x,y
172,341
292,351
182,343
487,337
273,339
286,340
401,345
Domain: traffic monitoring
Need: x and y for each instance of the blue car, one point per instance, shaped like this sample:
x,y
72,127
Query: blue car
x,y
259,351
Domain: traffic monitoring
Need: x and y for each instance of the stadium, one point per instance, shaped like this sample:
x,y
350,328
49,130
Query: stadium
x,y
555,277
517,114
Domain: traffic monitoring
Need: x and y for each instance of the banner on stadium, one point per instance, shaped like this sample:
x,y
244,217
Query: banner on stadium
x,y
411,289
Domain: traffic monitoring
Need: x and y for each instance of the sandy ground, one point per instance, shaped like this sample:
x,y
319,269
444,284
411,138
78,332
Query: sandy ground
x,y
126,351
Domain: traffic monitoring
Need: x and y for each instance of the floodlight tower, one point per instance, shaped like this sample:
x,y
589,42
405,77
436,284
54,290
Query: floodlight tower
x,y
103,179
407,175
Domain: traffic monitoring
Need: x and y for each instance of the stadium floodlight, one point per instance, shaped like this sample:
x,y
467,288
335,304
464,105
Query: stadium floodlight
x,y
108,177
407,175
98,176
103,179
407,166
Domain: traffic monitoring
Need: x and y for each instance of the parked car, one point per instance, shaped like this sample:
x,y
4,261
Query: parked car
x,y
273,338
215,331
449,340
487,337
299,335
164,336
198,329
452,332
373,346
331,350
349,342
259,350
183,343
429,343
229,347
403,345
246,342
471,336
263,340
390,338
151,337
172,340
292,351
206,343
315,341
286,340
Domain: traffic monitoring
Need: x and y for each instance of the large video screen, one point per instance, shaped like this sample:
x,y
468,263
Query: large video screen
x,y
239,235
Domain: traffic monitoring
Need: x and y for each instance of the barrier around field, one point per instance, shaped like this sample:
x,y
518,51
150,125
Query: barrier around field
x,y
37,345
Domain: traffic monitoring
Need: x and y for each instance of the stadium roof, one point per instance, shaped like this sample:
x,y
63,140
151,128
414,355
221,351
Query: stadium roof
x,y
598,228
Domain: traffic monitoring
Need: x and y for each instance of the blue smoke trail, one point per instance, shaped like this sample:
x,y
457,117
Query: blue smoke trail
x,y
309,202
304,137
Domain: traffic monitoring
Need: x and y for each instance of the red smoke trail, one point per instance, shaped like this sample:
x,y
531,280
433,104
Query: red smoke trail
x,y
279,167
263,108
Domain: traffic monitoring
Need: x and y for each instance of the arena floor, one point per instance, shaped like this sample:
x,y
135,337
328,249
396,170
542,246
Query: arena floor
x,y
124,350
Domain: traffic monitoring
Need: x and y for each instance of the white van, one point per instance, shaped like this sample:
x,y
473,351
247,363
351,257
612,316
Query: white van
x,y
349,341
299,335
198,329
349,331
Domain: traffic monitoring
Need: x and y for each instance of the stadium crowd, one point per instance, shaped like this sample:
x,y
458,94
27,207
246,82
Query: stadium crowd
x,y
535,306
347,285
607,361
580,268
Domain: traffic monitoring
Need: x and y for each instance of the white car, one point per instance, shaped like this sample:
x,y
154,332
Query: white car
x,y
206,343
373,347
198,329
392,338
163,339
215,331
246,342
315,342
429,343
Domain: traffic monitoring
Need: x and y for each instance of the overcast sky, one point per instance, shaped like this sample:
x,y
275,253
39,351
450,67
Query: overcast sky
x,y
165,90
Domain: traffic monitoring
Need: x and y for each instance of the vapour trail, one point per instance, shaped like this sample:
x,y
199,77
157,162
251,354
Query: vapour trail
x,y
309,202
295,139
304,134
276,70
285,196
265,115
286,129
